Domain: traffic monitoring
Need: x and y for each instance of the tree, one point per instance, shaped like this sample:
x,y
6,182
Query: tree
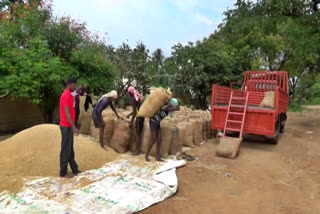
x,y
132,68
38,53
160,76
200,65
274,35
34,73
141,74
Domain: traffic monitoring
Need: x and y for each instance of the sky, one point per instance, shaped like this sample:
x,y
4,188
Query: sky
x,y
157,23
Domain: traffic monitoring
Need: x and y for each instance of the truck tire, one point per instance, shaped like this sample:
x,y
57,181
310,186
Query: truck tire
x,y
282,122
274,139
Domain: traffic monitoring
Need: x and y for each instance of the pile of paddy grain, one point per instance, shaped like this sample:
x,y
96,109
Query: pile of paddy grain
x,y
35,152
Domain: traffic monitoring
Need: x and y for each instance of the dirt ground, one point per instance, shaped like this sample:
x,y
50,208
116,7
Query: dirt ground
x,y
283,178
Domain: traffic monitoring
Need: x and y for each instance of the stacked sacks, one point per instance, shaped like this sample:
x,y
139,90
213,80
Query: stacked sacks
x,y
146,136
175,140
182,130
186,128
166,133
209,131
197,132
94,132
200,130
109,118
156,99
121,136
85,120
133,138
204,129
188,134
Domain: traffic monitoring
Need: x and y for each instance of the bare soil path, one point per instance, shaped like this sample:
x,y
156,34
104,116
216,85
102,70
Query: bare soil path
x,y
283,178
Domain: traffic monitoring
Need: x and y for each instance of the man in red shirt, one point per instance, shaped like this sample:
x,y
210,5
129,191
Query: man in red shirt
x,y
67,128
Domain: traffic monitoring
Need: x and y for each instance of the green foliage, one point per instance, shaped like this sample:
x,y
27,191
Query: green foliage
x,y
32,72
38,53
295,106
275,35
132,68
199,66
93,67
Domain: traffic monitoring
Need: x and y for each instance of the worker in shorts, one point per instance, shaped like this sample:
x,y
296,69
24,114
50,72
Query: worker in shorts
x,y
136,103
155,127
105,101
68,129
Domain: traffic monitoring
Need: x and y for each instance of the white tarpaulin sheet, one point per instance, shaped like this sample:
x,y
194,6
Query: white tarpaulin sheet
x,y
125,185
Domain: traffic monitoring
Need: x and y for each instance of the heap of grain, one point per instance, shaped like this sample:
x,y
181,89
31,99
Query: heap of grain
x,y
35,152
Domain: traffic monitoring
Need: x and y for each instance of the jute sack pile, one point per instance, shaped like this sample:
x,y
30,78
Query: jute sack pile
x,y
228,147
200,130
166,133
109,118
182,130
204,129
197,135
121,136
188,135
174,145
85,120
209,130
154,102
146,136
94,132
108,130
133,138
268,100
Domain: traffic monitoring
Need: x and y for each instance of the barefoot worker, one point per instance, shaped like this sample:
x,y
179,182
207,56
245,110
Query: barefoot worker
x,y
67,128
102,104
136,103
155,126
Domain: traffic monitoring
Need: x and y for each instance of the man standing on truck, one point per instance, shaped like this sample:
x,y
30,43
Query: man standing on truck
x,y
136,103
67,128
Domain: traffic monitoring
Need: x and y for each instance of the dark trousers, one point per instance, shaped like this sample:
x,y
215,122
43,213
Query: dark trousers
x,y
77,113
67,152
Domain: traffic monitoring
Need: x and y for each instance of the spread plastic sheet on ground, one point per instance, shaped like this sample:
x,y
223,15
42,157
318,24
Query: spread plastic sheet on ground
x,y
126,185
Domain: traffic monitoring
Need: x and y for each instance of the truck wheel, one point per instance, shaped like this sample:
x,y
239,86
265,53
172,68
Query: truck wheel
x,y
281,129
283,122
274,139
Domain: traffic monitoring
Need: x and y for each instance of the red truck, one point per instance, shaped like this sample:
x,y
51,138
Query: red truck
x,y
238,111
